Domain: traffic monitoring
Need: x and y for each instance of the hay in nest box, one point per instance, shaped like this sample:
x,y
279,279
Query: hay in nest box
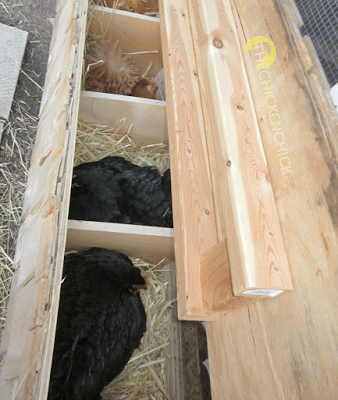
x,y
108,69
144,377
13,176
147,7
94,142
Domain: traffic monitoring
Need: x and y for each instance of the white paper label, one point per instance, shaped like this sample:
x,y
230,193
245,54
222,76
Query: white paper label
x,y
263,292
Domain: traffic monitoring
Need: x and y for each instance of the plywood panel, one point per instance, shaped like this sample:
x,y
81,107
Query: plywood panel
x,y
136,33
152,244
286,347
145,120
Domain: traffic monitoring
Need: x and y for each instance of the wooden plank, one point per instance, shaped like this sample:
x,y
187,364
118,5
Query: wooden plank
x,y
286,347
28,339
194,215
147,117
135,33
174,365
152,244
258,262
314,73
217,295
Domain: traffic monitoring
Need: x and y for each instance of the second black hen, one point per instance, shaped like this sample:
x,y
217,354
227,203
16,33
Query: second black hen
x,y
101,321
116,190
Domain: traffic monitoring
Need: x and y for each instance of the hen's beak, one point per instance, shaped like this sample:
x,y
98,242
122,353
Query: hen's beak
x,y
146,277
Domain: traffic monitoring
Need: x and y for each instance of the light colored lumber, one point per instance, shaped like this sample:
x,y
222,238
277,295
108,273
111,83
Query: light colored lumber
x,y
135,33
293,13
149,243
174,365
194,214
28,340
258,261
286,347
146,118
217,295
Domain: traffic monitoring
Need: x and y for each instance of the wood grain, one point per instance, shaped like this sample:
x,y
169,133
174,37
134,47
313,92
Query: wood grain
x,y
286,347
174,365
28,340
135,33
147,117
194,216
152,244
217,294
320,89
252,230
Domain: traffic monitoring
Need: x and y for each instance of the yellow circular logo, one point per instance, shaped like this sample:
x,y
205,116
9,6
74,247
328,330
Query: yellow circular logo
x,y
268,59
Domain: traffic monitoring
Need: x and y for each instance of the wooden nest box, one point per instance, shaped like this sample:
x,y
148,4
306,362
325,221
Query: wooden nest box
x,y
252,137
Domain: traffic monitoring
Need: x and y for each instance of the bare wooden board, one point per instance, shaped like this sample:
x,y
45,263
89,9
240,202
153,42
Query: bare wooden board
x,y
193,203
152,244
146,120
136,33
258,262
286,347
174,366
28,340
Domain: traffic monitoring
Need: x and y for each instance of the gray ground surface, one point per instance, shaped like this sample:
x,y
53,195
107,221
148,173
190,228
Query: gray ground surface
x,y
19,134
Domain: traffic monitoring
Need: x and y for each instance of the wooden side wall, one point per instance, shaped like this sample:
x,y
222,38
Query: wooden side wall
x,y
286,347
28,339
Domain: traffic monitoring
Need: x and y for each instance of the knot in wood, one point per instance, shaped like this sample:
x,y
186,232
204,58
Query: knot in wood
x,y
228,163
217,42
207,212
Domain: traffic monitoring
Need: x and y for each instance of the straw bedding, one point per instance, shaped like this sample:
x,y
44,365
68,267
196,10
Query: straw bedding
x,y
13,175
145,375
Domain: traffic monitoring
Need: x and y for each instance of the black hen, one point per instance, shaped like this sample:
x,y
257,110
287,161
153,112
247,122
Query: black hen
x,y
101,321
115,190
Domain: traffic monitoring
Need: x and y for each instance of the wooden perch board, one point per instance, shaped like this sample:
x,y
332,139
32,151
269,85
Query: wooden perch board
x,y
258,261
286,347
194,214
211,120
